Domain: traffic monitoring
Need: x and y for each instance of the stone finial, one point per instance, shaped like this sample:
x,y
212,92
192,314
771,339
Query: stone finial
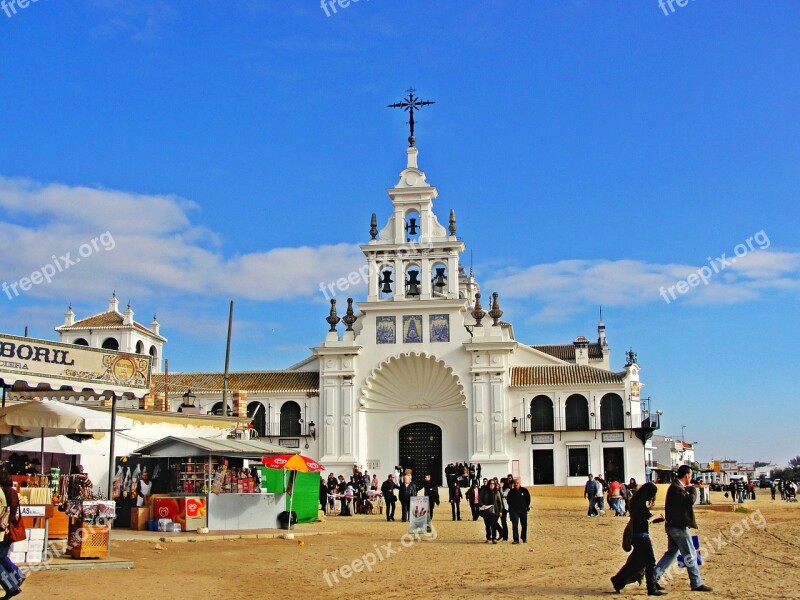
x,y
477,312
350,316
452,222
495,313
332,319
69,316
373,226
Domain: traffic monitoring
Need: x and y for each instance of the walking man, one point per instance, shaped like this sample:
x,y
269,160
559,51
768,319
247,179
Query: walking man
x,y
407,490
589,491
455,500
387,489
431,490
519,503
679,518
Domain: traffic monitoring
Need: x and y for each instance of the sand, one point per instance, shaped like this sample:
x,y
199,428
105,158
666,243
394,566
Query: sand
x,y
567,556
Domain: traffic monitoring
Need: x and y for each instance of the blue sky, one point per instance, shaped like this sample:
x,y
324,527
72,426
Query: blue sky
x,y
593,151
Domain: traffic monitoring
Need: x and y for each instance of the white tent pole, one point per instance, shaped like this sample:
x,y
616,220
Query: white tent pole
x,y
111,444
41,429
291,500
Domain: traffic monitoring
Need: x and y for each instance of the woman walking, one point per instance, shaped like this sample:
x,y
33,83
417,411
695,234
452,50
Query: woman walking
x,y
491,505
642,556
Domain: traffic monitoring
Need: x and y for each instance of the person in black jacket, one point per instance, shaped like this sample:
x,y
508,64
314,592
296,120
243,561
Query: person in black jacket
x,y
387,489
407,490
431,490
642,556
455,500
680,517
519,503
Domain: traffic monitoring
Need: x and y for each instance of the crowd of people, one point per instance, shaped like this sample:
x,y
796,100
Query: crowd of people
x,y
787,490
597,490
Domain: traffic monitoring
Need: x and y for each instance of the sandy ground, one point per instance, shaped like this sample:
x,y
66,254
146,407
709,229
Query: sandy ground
x,y
567,556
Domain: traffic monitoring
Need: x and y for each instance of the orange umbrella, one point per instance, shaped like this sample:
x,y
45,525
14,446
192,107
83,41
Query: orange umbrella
x,y
291,462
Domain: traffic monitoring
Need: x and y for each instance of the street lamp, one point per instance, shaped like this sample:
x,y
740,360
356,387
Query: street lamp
x,y
188,399
514,423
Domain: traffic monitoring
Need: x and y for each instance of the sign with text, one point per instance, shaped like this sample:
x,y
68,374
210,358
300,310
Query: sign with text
x,y
614,437
28,510
547,438
34,360
418,517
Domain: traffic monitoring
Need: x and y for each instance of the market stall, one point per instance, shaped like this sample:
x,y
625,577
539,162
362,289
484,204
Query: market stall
x,y
207,482
43,366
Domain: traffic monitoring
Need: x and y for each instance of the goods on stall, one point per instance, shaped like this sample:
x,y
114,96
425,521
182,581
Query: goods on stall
x,y
89,527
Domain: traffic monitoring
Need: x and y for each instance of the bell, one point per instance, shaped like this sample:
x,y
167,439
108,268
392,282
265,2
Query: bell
x,y
386,282
412,283
411,228
440,281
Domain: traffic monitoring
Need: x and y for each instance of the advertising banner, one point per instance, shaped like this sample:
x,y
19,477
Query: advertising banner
x,y
418,517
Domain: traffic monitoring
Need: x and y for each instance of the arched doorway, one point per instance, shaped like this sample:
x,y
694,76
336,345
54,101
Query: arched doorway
x,y
421,451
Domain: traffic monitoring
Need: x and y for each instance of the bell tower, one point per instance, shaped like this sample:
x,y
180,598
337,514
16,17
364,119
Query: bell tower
x,y
414,257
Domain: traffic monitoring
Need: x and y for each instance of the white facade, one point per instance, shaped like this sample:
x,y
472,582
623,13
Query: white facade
x,y
424,373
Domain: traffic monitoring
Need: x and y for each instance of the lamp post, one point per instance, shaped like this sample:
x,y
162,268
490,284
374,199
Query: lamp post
x,y
514,424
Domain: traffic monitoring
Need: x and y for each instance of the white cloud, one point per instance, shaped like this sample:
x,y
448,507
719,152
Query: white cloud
x,y
561,288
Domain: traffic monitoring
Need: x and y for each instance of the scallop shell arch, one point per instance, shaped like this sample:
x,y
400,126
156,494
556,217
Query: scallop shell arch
x,y
412,381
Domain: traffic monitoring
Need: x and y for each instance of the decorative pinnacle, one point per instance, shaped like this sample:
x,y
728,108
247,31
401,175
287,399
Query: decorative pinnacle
x,y
350,317
452,222
409,105
478,313
373,226
495,313
332,319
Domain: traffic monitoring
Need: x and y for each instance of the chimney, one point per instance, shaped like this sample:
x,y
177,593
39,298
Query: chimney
x,y
581,350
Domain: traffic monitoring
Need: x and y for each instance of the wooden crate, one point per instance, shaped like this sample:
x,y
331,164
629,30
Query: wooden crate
x,y
139,518
87,541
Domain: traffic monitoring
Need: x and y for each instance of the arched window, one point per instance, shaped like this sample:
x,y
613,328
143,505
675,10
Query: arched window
x,y
110,344
290,419
413,282
217,410
611,414
81,342
386,281
257,412
439,280
139,347
576,412
542,414
412,226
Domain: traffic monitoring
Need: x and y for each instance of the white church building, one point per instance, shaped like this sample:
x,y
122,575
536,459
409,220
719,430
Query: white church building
x,y
424,372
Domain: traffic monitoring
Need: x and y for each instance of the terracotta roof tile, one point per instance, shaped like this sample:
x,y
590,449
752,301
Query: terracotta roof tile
x,y
250,381
567,351
563,375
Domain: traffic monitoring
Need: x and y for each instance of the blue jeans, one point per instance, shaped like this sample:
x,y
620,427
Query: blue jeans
x,y
680,540
10,576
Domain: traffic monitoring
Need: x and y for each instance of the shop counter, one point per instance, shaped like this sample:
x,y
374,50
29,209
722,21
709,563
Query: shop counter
x,y
234,512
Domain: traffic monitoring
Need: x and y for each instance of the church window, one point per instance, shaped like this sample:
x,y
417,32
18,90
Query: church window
x,y
576,413
139,347
578,458
611,414
257,412
81,342
290,419
542,414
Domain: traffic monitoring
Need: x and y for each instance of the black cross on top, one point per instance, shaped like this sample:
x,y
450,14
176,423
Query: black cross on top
x,y
409,105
